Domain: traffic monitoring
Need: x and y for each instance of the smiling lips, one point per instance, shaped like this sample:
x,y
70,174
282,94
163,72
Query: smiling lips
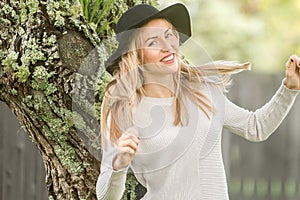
x,y
168,59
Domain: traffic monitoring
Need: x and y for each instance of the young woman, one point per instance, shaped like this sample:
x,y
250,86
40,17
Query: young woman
x,y
164,118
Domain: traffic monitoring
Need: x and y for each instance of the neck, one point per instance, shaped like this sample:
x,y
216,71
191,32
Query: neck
x,y
159,86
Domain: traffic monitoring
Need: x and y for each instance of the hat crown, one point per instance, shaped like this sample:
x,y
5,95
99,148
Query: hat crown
x,y
134,16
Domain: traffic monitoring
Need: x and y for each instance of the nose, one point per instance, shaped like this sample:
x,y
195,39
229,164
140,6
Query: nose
x,y
166,45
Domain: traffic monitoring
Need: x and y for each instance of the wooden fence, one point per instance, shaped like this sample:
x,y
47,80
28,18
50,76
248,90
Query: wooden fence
x,y
22,174
263,171
268,170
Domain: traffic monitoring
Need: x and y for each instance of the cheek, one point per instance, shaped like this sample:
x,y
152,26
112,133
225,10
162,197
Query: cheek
x,y
150,56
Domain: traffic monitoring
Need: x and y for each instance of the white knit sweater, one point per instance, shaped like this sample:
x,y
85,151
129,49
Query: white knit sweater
x,y
186,162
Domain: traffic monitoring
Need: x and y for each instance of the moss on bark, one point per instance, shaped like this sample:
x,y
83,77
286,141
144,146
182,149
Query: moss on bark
x,y
52,77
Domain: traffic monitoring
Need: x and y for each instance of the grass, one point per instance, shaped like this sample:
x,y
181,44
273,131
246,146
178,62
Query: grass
x,y
96,12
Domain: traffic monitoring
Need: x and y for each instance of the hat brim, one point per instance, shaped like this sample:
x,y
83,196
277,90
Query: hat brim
x,y
176,14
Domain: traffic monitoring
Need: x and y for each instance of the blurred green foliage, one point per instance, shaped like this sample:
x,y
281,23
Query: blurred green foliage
x,y
264,32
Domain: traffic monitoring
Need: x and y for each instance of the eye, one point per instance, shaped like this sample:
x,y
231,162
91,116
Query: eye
x,y
169,35
152,43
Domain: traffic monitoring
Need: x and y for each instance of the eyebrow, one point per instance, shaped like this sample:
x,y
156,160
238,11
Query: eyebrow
x,y
154,37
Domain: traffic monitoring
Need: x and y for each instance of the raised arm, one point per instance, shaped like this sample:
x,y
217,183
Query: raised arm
x,y
260,124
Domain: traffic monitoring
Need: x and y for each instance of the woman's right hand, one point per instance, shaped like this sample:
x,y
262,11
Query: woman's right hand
x,y
127,147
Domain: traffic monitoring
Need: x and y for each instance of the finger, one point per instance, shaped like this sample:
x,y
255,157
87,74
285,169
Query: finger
x,y
132,137
291,65
128,143
131,146
129,137
125,137
135,139
297,62
127,150
292,62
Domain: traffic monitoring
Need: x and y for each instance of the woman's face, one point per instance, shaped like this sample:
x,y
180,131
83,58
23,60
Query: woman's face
x,y
160,44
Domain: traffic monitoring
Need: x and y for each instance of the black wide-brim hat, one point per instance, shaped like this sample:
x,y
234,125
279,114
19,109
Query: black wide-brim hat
x,y
139,15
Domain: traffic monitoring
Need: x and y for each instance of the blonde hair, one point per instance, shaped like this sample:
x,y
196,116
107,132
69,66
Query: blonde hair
x,y
126,90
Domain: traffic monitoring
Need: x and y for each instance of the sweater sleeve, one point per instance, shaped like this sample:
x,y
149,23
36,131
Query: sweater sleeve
x,y
260,124
110,184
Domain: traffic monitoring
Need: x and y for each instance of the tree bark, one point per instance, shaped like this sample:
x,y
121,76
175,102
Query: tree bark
x,y
52,77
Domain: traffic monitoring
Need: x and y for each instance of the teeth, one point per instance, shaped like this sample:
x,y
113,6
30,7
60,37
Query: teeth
x,y
170,57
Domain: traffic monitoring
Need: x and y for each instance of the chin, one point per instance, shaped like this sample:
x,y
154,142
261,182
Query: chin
x,y
173,68
160,68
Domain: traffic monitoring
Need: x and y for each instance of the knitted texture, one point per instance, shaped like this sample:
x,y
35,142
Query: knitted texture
x,y
186,162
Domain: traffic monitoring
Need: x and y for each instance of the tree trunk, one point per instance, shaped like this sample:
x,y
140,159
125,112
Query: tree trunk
x,y
51,77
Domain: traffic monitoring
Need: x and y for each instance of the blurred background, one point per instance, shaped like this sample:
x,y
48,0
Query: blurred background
x,y
264,32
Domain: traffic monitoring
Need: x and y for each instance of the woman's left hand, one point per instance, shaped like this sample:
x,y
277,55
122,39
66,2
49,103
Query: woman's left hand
x,y
292,73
